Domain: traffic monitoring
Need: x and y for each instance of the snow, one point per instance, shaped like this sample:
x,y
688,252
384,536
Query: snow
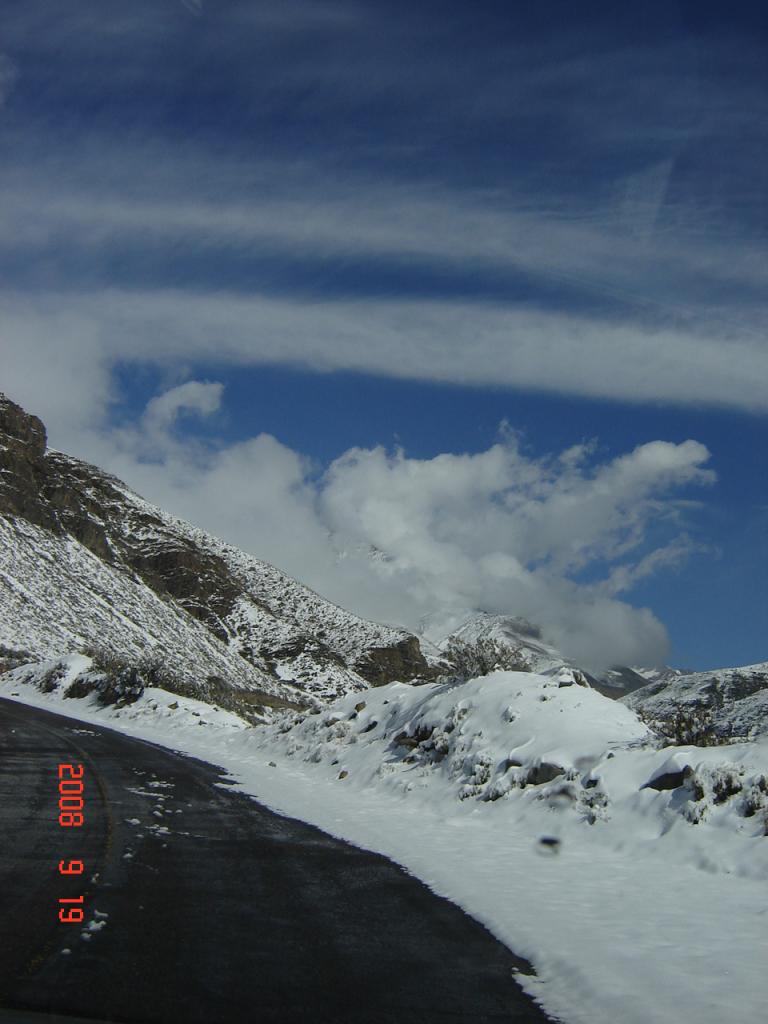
x,y
736,698
56,594
649,909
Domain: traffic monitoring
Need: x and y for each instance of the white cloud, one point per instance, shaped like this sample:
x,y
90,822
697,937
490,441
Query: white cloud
x,y
402,539
296,208
449,341
202,397
680,320
670,556
54,363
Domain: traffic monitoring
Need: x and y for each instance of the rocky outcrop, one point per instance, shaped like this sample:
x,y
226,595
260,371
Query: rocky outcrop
x,y
22,470
668,780
71,497
403,660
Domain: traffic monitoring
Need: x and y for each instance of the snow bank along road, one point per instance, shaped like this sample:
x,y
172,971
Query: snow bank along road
x,y
203,906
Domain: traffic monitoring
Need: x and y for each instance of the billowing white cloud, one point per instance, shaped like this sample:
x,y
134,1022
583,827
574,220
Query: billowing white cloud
x,y
401,539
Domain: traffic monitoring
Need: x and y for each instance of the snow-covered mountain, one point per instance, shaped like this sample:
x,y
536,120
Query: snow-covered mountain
x,y
484,643
86,564
708,706
664,674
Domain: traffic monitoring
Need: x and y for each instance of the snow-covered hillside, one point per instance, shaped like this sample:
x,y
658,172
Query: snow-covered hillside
x,y
56,595
532,742
722,703
86,563
663,674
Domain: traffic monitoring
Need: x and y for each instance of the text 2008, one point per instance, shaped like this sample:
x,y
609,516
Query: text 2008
x,y
71,806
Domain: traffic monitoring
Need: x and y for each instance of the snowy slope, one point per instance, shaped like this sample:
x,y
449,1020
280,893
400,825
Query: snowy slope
x,y
278,612
273,620
664,674
85,562
56,595
734,701
535,745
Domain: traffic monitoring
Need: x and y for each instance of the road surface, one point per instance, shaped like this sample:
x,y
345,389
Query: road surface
x,y
203,907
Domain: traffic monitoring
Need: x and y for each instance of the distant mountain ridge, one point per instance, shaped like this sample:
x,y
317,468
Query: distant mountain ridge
x,y
728,702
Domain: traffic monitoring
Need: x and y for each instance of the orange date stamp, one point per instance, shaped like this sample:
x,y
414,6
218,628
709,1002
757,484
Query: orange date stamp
x,y
71,815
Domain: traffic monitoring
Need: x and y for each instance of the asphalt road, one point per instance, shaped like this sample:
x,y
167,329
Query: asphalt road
x,y
206,908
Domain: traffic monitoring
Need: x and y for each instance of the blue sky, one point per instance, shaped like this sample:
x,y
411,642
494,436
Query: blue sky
x,y
496,231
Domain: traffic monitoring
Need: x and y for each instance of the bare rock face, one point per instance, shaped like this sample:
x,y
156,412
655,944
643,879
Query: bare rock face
x,y
403,660
257,615
21,426
22,448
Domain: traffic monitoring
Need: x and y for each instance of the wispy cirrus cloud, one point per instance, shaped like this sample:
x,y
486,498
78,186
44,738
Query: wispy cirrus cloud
x,y
606,212
605,253
290,266
445,341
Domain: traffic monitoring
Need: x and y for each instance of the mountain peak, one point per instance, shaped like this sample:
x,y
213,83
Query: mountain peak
x,y
17,425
